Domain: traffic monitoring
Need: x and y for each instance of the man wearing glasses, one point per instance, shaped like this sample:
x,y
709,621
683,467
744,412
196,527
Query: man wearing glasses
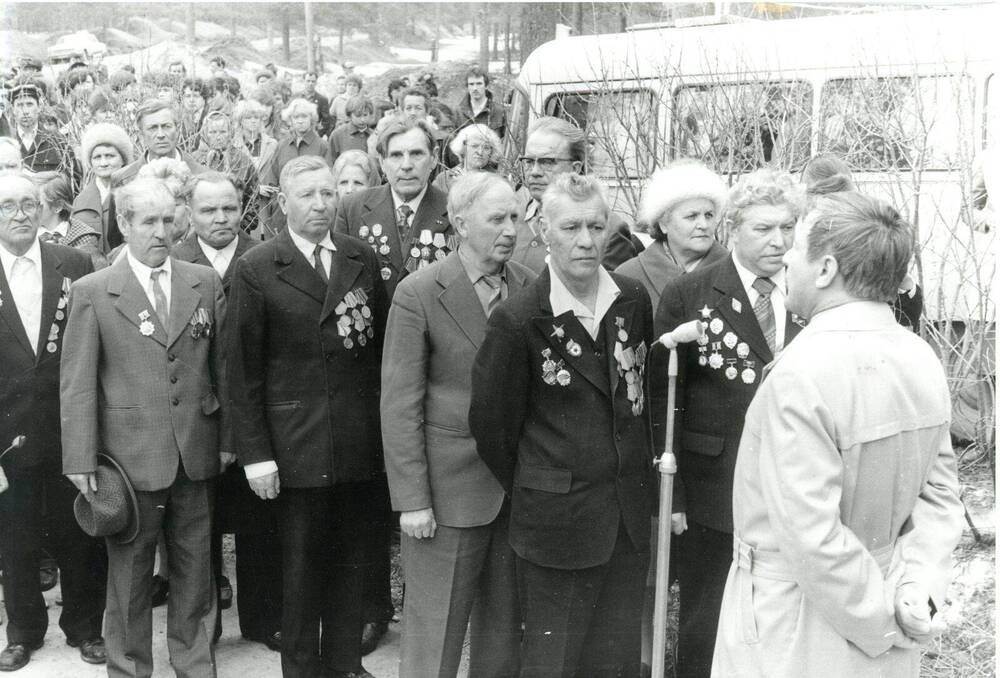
x,y
556,146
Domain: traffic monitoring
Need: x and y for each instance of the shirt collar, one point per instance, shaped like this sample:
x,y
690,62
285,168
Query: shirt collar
x,y
211,253
34,253
562,299
307,248
176,156
414,203
747,277
142,271
62,229
475,274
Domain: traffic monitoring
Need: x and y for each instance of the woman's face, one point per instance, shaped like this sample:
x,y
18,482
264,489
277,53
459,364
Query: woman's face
x,y
251,125
352,178
48,214
477,152
690,226
105,159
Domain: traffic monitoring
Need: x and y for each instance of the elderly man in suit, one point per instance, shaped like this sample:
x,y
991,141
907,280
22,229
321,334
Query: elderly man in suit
x,y
453,514
845,500
158,407
35,499
309,313
159,132
216,241
739,303
559,413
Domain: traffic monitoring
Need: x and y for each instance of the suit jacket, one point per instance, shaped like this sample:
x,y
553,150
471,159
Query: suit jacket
x,y
654,269
436,325
846,484
91,210
710,404
359,213
189,250
305,385
575,458
148,401
29,383
50,152
129,172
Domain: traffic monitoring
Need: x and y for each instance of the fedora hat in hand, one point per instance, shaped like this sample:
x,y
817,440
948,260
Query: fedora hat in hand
x,y
114,511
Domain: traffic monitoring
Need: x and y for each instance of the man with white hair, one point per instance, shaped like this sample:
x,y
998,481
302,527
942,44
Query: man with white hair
x,y
845,499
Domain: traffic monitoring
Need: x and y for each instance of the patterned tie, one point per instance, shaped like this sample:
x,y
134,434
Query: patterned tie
x,y
318,264
52,237
160,298
495,283
403,213
764,310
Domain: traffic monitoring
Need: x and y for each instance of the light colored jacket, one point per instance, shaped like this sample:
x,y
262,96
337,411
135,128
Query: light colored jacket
x,y
845,488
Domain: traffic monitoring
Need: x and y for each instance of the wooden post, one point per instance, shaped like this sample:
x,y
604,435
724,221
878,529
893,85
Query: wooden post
x,y
310,43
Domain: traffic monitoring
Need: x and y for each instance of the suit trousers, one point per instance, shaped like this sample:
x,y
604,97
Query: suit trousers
x,y
583,623
184,512
377,601
322,554
36,512
703,557
458,572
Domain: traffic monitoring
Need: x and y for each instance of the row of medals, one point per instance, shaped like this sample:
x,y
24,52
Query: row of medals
x,y
51,345
352,317
554,372
715,359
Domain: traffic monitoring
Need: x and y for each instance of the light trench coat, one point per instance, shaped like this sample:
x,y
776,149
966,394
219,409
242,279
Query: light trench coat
x,y
845,488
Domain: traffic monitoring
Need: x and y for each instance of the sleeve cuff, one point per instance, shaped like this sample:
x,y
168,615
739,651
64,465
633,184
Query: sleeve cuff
x,y
260,469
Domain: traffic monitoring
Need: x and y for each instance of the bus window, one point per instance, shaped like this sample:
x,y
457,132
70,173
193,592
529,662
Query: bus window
x,y
739,127
621,128
880,124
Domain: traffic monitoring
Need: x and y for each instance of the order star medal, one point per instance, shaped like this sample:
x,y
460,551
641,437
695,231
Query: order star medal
x,y
574,348
715,325
715,361
145,326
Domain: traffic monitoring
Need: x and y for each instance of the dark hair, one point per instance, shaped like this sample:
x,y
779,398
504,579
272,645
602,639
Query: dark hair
x,y
403,125
197,85
395,84
477,71
356,79
359,104
57,192
216,178
826,173
121,79
74,78
417,92
217,60
310,73
129,68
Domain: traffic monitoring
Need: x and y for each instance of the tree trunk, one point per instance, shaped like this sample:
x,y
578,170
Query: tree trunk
x,y
286,34
435,46
484,38
310,43
538,25
506,42
577,18
623,12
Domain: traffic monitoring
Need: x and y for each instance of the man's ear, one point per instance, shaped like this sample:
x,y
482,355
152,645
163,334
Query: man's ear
x,y
827,272
578,166
458,222
122,225
283,203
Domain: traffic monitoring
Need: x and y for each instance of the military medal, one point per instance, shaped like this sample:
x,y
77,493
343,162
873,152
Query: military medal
x,y
702,360
748,376
362,340
622,334
383,250
348,344
366,312
715,325
729,340
440,254
737,306
60,315
702,340
386,272
557,331
363,232
715,361
730,372
439,240
574,348
51,347
742,350
705,312
425,252
62,303
377,230
415,252
426,238
145,327
562,376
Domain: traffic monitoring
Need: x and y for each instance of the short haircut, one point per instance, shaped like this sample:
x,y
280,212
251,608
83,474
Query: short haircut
x,y
576,187
480,131
119,80
477,71
359,159
575,136
56,192
359,105
74,78
126,196
300,105
826,173
394,84
356,79
197,85
300,165
247,108
217,178
174,173
467,189
402,126
416,92
869,239
151,107
765,186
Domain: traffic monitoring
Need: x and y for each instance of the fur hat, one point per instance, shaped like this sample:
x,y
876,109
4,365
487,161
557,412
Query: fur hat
x,y
680,180
105,133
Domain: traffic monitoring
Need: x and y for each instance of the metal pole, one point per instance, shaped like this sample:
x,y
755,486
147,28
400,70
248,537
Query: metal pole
x,y
667,465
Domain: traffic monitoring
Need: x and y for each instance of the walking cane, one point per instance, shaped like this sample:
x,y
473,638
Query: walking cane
x,y
667,465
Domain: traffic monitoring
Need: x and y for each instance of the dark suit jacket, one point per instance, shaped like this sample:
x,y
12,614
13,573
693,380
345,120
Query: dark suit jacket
x,y
436,325
575,459
710,406
29,384
365,209
303,395
51,153
189,250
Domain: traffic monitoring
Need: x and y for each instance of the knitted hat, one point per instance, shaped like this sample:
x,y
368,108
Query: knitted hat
x,y
681,180
105,133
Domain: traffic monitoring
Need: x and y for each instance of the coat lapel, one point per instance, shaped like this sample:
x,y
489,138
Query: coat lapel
x,y
743,323
8,311
184,300
624,309
295,270
378,209
344,272
132,300
432,213
52,282
459,299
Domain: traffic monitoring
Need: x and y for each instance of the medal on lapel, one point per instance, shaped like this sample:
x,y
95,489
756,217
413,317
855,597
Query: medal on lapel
x,y
558,332
145,326
574,348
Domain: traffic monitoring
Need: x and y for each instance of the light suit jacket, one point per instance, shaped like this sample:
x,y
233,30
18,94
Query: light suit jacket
x,y
845,487
147,401
436,325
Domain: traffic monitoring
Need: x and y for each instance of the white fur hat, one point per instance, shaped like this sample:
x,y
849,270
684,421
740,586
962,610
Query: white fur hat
x,y
105,134
681,180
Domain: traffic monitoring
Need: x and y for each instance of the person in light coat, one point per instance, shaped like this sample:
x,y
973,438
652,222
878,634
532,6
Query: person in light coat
x,y
845,500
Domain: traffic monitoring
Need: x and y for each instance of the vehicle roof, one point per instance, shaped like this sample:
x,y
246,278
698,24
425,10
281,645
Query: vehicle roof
x,y
897,37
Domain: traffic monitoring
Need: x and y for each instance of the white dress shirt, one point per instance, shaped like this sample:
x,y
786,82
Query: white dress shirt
x,y
24,277
27,137
562,300
414,204
747,277
221,258
143,274
62,229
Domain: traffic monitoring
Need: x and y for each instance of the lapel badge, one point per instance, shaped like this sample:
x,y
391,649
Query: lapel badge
x,y
705,312
363,232
731,371
715,326
426,238
51,347
53,332
798,320
415,252
702,339
748,376
386,272
622,334
439,240
558,332
574,348
715,361
703,360
742,350
562,376
384,250
730,340
737,306
377,230
145,326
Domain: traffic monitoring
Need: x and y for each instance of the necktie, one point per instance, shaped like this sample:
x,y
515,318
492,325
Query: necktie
x,y
403,213
160,298
220,264
50,236
764,310
495,284
20,288
318,264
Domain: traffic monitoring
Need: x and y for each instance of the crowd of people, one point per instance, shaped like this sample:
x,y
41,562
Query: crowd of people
x,y
310,322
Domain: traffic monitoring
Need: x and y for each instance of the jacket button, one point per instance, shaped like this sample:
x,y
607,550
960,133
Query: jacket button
x,y
171,357
175,401
173,380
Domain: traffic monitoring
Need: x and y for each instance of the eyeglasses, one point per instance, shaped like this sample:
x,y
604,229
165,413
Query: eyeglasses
x,y
545,164
9,208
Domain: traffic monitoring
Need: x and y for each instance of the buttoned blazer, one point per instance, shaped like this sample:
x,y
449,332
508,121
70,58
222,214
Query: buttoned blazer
x,y
374,206
29,382
436,325
148,401
304,396
575,459
189,250
710,406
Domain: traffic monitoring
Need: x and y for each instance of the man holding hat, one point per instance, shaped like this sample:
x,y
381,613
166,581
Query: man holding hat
x,y
34,498
42,151
159,409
